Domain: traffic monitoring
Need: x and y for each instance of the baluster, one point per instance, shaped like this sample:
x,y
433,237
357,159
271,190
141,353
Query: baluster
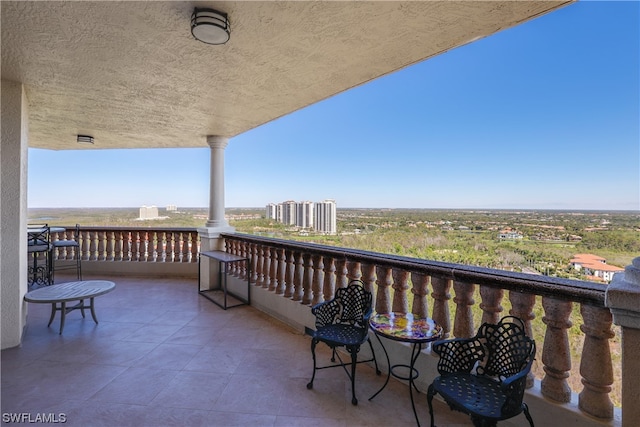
x,y
153,245
110,237
244,253
254,263
184,249
441,296
134,246
298,277
161,247
463,322
259,265
329,287
289,273
169,247
318,279
556,357
93,247
266,261
369,278
491,304
400,287
595,365
384,281
102,245
58,253
232,248
353,268
126,246
273,267
419,290
307,279
117,245
194,247
139,245
282,265
341,273
86,246
142,248
522,307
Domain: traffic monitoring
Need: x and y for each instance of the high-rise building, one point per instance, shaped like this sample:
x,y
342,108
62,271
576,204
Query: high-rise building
x,y
318,216
304,214
325,217
289,212
272,211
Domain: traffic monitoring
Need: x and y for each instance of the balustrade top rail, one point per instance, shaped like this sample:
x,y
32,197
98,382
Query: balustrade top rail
x,y
140,228
555,287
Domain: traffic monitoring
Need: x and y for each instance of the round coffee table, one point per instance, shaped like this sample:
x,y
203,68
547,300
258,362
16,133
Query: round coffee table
x,y
71,291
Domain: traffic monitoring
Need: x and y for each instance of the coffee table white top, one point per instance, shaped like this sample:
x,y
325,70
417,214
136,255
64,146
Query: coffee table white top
x,y
70,291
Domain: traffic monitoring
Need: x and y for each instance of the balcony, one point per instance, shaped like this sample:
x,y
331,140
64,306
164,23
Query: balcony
x,y
162,355
193,356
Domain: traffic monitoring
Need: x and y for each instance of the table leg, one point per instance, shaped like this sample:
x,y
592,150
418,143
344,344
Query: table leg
x,y
53,313
82,307
63,315
93,312
388,368
415,352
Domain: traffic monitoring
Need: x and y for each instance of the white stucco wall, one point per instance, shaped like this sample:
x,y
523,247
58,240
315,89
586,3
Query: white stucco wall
x,y
13,212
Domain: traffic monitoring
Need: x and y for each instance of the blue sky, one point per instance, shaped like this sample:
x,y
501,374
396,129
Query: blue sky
x,y
541,116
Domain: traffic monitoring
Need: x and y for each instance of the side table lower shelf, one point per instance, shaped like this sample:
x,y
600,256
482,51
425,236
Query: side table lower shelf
x,y
221,295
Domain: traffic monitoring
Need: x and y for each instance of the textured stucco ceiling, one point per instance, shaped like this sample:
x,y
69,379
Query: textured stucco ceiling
x,y
131,75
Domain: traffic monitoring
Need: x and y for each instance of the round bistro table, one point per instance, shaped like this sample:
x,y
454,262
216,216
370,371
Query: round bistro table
x,y
71,291
405,327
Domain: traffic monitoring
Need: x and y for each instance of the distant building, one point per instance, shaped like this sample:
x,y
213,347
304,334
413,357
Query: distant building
x,y
148,212
272,211
509,235
325,217
320,216
304,214
595,266
172,208
289,212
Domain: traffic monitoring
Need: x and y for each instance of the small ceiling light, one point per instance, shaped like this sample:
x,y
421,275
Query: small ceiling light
x,y
85,139
210,26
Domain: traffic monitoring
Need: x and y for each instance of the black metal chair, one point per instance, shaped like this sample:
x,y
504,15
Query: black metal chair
x,y
344,322
65,246
485,376
38,246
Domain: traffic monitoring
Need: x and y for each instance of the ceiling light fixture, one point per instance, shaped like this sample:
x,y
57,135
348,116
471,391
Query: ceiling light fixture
x,y
210,26
85,139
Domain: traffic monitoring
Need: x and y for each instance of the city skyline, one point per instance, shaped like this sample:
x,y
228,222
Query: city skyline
x,y
541,116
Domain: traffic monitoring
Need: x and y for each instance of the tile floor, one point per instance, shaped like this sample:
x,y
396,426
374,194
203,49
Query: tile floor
x,y
164,356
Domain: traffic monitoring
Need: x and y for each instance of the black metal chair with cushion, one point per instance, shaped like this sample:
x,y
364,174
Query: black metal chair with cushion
x,y
485,376
38,245
65,246
344,322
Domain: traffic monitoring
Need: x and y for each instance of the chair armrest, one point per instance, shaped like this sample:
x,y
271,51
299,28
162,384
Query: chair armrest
x,y
458,355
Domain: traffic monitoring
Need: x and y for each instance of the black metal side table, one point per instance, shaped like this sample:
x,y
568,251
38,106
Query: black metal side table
x,y
405,327
224,258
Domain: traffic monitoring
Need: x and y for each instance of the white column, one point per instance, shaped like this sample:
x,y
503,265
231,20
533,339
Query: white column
x,y
13,212
210,235
623,299
216,189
